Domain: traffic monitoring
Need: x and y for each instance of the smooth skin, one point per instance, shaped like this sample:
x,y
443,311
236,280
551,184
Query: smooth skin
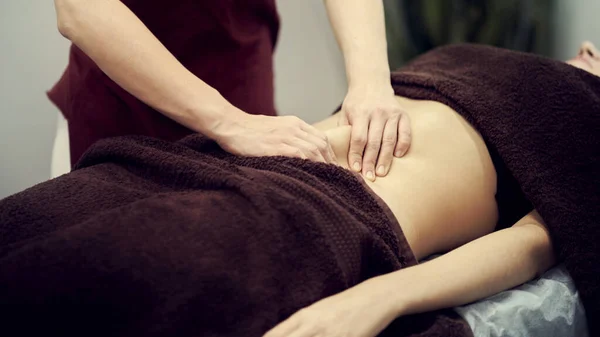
x,y
478,263
481,268
127,52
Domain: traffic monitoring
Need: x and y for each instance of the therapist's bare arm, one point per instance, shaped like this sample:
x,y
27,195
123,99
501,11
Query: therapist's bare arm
x,y
126,51
121,45
380,128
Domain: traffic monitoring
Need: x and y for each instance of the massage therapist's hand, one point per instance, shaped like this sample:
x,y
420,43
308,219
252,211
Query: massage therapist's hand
x,y
255,136
380,129
361,311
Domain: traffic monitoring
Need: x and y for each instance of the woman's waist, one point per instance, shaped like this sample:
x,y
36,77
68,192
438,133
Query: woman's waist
x,y
446,172
341,189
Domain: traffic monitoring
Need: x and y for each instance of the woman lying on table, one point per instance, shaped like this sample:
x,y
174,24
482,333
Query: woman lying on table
x,y
449,193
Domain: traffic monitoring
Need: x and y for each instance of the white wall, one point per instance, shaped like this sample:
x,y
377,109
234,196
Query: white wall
x,y
574,22
32,56
310,79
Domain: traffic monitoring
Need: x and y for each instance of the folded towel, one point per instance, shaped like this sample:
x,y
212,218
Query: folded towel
x,y
542,117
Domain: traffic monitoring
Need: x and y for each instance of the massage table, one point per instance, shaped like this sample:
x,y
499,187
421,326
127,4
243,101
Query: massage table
x,y
548,306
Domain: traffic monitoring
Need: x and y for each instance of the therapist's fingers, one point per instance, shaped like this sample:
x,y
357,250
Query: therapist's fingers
x,y
404,136
373,146
343,119
310,150
332,157
289,151
358,141
323,147
318,138
388,144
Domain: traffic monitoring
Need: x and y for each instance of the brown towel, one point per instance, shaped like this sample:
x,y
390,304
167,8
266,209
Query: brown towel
x,y
147,238
542,117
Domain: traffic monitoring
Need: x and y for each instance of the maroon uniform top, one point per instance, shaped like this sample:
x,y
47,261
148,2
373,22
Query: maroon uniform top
x,y
227,43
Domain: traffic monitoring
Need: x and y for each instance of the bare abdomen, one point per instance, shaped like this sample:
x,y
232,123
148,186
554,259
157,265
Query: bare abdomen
x,y
443,190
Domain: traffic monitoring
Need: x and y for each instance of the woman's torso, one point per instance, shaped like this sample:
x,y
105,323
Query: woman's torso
x,y
443,190
228,44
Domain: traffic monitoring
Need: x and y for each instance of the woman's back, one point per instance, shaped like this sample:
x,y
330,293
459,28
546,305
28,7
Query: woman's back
x,y
443,190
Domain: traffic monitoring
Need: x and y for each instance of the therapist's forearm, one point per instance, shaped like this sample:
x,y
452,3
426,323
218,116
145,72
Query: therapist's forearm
x,y
125,49
481,268
359,27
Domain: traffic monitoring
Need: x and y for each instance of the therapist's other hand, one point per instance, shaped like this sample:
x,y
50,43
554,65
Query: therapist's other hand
x,y
256,136
380,129
361,311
